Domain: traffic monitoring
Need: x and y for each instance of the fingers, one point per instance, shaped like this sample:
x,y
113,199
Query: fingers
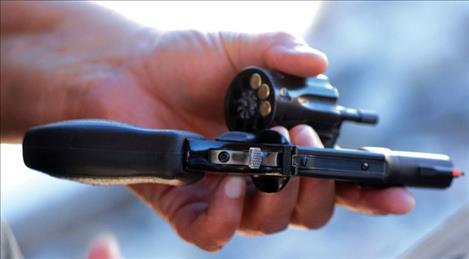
x,y
210,225
296,59
304,135
150,193
316,198
267,213
393,200
105,247
283,131
277,51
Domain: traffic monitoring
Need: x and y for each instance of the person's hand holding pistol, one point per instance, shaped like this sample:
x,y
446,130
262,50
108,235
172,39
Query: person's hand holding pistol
x,y
81,61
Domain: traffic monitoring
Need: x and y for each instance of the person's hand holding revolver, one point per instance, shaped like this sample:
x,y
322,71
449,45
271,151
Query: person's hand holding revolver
x,y
77,60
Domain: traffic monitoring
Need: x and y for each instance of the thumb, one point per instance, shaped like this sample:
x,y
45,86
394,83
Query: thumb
x,y
278,51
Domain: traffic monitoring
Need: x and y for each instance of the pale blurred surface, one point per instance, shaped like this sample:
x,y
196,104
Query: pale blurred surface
x,y
253,17
407,61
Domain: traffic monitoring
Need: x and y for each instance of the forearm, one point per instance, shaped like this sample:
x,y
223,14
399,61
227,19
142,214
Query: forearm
x,y
51,55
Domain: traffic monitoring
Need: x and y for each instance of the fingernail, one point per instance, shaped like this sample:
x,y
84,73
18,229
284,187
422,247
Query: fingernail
x,y
307,49
304,136
282,131
307,137
409,201
234,187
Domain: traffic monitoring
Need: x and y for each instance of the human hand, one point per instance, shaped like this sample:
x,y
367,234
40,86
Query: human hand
x,y
180,81
208,213
181,84
117,70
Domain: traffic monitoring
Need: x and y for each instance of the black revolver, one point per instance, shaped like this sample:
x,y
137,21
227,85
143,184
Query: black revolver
x,y
106,152
258,99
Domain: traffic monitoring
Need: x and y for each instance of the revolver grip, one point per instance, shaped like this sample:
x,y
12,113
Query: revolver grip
x,y
107,152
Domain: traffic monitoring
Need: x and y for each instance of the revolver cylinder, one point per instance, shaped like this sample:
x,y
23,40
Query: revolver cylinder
x,y
258,99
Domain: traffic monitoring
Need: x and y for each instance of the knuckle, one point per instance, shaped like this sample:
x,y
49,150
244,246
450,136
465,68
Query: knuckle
x,y
207,241
314,222
214,239
271,228
210,246
280,36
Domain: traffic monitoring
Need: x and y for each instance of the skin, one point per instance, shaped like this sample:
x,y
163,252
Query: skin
x,y
77,60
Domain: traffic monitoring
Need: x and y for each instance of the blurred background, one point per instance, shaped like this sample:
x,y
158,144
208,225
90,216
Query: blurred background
x,y
407,61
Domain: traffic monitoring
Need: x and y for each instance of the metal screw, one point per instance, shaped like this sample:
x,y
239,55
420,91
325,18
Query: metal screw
x,y
224,156
283,91
365,166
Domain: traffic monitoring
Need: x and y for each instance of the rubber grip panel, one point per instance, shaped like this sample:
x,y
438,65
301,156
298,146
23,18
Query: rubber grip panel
x,y
108,152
